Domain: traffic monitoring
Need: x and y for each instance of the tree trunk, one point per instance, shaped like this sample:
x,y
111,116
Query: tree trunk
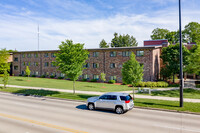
x,y
73,86
133,93
173,77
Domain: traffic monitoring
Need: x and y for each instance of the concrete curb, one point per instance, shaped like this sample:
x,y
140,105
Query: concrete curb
x,y
139,107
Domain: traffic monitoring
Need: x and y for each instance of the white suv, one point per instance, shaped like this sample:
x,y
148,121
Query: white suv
x,y
119,102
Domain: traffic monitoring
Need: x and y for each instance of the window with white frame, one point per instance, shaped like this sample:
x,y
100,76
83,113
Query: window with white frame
x,y
95,65
126,53
85,76
112,65
46,55
46,64
113,78
95,54
96,77
139,53
113,54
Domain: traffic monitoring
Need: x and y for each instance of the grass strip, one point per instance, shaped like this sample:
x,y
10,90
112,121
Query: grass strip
x,y
150,103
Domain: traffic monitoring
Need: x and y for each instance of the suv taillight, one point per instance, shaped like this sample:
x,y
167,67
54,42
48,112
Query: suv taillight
x,y
127,101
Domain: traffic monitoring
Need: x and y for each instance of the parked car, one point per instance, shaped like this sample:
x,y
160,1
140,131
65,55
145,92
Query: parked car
x,y
118,102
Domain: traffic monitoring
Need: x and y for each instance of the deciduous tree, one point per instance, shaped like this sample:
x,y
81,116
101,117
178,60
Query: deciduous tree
x,y
132,71
28,71
159,33
103,44
123,41
70,59
170,57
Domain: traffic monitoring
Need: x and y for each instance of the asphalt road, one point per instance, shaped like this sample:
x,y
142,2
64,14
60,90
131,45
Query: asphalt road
x,y
22,114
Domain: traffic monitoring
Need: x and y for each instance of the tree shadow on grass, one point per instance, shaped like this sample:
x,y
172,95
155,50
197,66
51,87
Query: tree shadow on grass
x,y
19,79
32,92
157,104
85,96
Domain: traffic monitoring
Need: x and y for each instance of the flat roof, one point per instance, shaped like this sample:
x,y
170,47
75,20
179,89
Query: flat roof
x,y
115,48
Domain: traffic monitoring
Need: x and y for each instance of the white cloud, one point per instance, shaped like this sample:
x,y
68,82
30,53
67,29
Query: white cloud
x,y
21,32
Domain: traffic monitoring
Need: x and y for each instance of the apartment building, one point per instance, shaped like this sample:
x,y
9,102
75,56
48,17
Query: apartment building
x,y
101,60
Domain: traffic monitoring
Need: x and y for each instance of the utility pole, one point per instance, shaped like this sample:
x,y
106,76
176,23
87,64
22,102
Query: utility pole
x,y
38,37
181,58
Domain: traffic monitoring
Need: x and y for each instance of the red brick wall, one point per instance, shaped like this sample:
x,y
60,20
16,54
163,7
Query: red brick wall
x,y
150,60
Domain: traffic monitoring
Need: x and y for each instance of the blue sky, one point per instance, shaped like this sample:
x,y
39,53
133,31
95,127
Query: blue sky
x,y
87,21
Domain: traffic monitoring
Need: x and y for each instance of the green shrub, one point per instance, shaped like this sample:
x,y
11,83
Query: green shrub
x,y
111,81
20,74
33,75
43,76
93,80
52,76
84,79
198,86
1,75
60,77
25,75
151,84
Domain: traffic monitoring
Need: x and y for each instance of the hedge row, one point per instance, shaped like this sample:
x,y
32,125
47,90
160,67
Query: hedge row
x,y
151,84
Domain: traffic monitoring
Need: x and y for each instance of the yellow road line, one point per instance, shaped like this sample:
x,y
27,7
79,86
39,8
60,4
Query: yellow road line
x,y
41,123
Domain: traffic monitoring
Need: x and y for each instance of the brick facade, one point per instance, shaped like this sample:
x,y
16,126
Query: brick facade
x,y
107,60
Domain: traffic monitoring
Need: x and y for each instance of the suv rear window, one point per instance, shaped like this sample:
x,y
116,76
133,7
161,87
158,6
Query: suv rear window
x,y
125,98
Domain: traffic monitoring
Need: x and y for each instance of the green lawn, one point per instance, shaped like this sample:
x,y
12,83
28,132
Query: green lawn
x,y
187,93
65,84
162,104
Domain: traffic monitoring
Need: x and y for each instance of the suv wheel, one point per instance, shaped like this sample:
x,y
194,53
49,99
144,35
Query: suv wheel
x,y
91,106
119,110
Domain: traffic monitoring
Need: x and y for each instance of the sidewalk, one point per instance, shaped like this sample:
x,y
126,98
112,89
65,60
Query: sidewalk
x,y
100,93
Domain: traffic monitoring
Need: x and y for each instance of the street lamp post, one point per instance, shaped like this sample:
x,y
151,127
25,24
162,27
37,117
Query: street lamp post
x,y
181,58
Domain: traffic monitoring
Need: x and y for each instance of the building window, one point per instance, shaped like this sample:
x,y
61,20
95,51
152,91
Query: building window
x,y
53,55
113,78
15,67
46,55
36,73
36,55
95,54
112,65
28,63
88,55
46,64
35,63
139,53
23,55
23,72
62,75
126,53
87,65
29,55
53,64
113,54
96,77
95,65
16,59
85,76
